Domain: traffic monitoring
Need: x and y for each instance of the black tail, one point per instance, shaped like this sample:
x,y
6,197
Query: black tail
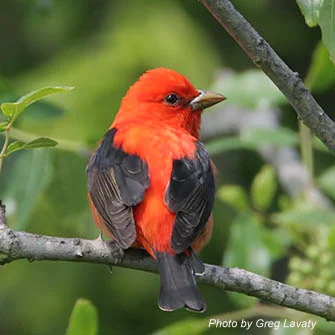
x,y
178,285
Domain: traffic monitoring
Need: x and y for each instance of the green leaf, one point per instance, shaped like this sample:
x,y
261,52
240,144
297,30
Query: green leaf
x,y
252,139
277,241
30,175
14,109
37,143
321,12
5,86
70,172
235,196
306,218
319,145
40,143
321,73
284,202
30,98
325,327
224,144
278,137
250,89
246,249
15,146
327,24
311,11
326,181
331,239
263,188
84,319
3,125
289,331
9,109
189,327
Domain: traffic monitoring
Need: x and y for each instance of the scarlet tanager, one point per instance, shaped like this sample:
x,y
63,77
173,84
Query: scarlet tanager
x,y
151,182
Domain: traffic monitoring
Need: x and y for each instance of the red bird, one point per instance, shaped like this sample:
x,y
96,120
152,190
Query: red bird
x,y
151,182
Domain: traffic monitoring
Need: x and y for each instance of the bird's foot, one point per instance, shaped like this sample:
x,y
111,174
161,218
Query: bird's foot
x,y
116,251
100,237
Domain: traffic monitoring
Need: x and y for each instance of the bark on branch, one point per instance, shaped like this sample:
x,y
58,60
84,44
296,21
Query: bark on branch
x,y
264,57
16,245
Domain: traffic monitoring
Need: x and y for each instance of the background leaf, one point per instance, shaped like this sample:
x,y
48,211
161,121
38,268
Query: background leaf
x,y
321,74
278,137
254,89
14,109
304,217
9,109
321,12
254,138
331,239
263,188
29,177
224,144
84,319
311,10
243,254
14,146
246,250
188,326
3,125
327,24
37,143
327,181
235,196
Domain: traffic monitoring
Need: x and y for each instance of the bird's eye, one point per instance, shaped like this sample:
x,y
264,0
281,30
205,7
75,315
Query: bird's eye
x,y
171,99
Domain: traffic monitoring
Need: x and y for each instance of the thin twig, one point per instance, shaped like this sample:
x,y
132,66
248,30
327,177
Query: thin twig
x,y
264,57
4,147
306,148
62,144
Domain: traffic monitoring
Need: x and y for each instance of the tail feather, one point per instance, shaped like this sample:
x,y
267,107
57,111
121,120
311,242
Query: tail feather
x,y
196,263
178,284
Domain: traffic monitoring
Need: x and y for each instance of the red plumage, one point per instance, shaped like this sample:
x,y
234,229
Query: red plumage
x,y
152,156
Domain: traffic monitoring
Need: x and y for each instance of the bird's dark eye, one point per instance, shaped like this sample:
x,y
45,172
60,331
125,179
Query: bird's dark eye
x,y
171,99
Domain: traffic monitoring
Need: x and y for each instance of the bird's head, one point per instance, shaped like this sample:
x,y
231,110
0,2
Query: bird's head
x,y
167,98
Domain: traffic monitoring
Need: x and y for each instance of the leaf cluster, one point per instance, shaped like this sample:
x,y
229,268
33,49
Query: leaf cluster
x,y
13,110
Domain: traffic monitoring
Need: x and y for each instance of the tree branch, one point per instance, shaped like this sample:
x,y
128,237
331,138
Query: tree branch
x,y
264,57
16,245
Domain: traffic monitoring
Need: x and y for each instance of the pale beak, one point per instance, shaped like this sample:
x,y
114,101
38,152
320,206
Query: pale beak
x,y
205,99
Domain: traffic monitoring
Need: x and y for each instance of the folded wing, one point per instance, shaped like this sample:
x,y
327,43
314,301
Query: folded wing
x,y
117,182
190,194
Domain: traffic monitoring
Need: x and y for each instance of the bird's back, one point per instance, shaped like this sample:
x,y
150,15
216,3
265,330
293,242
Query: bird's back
x,y
159,147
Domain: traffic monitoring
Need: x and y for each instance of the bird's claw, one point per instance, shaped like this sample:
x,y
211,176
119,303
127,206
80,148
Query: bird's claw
x,y
100,237
116,251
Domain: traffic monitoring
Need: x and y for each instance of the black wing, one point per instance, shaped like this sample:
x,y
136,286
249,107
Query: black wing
x,y
190,194
116,182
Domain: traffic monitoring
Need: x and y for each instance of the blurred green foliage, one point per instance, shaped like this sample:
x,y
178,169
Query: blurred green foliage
x,y
101,47
84,319
257,89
